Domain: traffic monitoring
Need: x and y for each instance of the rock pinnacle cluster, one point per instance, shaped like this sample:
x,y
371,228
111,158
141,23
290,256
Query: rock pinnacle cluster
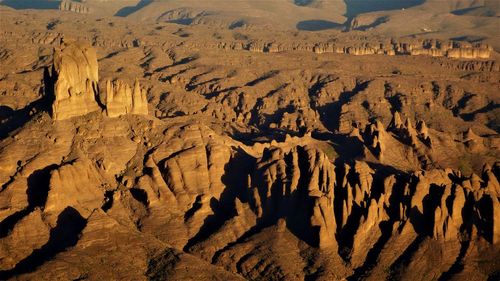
x,y
74,81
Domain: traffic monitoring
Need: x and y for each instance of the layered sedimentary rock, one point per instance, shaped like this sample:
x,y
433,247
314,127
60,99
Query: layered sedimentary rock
x,y
434,48
297,186
77,185
74,80
205,194
74,6
74,83
122,99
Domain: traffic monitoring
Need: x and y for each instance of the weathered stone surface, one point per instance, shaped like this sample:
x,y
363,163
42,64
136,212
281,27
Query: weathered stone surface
x,y
77,185
121,99
75,77
73,6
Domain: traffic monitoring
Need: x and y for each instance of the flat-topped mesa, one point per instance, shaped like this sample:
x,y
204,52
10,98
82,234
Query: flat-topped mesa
x,y
73,6
74,80
122,99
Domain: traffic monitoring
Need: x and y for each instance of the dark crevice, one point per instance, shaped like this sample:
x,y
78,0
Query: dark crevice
x,y
298,218
457,266
252,231
37,192
18,118
196,206
263,78
224,209
386,227
108,200
372,257
346,237
210,83
472,115
334,109
38,186
140,195
397,268
8,223
160,267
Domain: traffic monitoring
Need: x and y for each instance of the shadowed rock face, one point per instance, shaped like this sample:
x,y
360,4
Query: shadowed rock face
x,y
174,153
317,25
234,205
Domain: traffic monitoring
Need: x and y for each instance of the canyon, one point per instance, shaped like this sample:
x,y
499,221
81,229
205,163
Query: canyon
x,y
197,146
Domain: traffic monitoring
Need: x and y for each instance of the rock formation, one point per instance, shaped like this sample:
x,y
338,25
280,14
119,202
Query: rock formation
x,y
74,80
122,99
74,6
434,48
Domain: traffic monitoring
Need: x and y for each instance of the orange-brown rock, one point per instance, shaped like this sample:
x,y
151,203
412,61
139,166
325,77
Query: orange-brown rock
x,y
75,76
73,6
121,99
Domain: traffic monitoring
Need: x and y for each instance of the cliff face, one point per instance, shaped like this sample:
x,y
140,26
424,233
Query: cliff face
x,y
75,75
234,205
74,6
122,99
74,82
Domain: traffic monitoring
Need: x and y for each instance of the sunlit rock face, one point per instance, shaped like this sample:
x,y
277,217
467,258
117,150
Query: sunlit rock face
x,y
122,99
73,6
75,76
74,82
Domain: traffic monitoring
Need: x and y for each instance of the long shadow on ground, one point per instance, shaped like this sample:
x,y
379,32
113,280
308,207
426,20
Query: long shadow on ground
x,y
32,4
132,9
356,7
318,25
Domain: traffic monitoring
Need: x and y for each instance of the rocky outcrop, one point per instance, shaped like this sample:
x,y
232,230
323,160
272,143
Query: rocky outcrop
x,y
302,179
122,99
30,233
74,80
427,47
233,205
74,83
469,53
74,6
77,185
